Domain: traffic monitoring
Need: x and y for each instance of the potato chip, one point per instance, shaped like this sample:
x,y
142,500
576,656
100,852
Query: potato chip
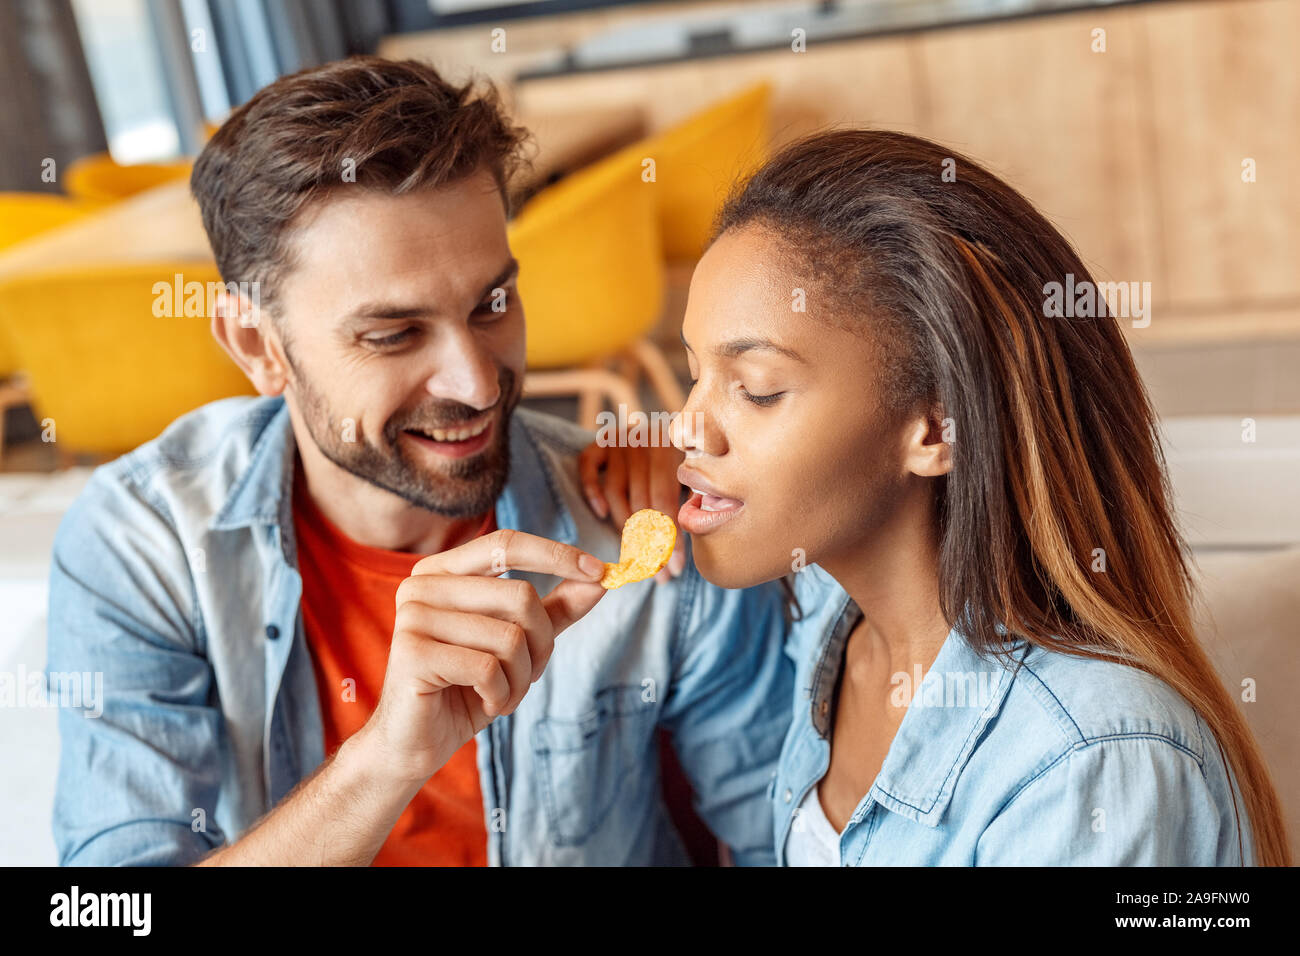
x,y
648,539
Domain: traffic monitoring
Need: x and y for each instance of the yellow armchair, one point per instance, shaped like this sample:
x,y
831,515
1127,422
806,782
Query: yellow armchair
x,y
592,247
592,284
22,216
100,178
103,364
697,162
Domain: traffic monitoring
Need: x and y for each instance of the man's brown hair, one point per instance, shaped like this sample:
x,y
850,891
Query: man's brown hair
x,y
393,125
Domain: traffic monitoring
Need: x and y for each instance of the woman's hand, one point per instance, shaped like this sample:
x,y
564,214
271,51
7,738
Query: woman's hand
x,y
619,481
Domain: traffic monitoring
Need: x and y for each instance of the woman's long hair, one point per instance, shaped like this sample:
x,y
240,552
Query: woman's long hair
x,y
1055,520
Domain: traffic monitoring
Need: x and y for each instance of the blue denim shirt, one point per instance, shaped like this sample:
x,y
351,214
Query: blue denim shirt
x,y
1047,759
174,574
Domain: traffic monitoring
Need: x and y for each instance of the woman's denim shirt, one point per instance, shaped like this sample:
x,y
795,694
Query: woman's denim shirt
x,y
1048,759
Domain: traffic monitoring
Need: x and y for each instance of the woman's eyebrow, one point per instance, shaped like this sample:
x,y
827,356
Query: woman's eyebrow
x,y
738,347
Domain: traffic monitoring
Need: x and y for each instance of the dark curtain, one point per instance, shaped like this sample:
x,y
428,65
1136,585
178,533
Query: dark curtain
x,y
49,109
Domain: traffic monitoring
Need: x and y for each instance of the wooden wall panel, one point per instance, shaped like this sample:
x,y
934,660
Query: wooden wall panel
x,y
1225,83
866,82
1032,101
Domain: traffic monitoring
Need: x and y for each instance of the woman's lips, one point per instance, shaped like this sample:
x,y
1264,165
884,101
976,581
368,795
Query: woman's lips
x,y
708,508
704,513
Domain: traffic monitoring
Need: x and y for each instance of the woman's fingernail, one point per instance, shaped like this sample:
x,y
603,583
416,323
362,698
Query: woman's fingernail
x,y
591,564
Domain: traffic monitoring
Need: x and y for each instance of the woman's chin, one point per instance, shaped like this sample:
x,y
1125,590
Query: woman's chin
x,y
726,571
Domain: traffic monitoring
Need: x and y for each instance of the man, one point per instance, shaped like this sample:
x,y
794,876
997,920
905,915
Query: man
x,y
311,653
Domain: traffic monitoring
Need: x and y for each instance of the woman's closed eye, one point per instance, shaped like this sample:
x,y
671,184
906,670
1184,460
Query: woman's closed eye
x,y
763,401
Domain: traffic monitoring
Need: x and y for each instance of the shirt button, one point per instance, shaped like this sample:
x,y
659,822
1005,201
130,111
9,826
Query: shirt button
x,y
272,631
789,795
825,708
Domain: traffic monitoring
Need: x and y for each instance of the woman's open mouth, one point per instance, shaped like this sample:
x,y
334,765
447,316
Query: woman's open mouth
x,y
707,509
703,513
457,442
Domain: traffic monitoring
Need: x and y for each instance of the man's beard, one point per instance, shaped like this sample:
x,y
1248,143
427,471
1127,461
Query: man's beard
x,y
462,488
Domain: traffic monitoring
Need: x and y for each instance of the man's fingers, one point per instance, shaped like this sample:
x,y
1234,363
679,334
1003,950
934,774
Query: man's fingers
x,y
569,601
453,665
665,489
507,599
666,496
638,484
509,550
616,486
589,461
505,640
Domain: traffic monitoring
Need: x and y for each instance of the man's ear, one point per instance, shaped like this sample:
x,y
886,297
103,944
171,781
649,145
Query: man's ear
x,y
928,443
242,328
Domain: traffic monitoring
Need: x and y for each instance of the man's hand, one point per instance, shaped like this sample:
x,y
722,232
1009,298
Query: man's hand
x,y
467,644
619,481
466,647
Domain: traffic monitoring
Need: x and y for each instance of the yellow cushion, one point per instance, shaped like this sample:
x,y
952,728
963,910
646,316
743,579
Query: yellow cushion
x,y
102,365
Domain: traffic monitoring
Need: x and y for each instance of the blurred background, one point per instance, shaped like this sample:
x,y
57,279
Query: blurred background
x,y
1162,137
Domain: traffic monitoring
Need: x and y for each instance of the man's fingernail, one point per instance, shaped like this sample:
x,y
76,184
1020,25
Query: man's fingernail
x,y
591,564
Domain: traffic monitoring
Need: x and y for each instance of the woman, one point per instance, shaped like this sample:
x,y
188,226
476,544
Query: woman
x,y
963,481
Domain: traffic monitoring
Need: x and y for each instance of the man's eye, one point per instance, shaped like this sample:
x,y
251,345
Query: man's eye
x,y
390,340
763,400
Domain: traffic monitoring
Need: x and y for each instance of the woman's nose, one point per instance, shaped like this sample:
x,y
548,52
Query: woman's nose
x,y
691,432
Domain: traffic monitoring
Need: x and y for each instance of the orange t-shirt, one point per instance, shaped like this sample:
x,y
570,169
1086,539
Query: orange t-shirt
x,y
348,610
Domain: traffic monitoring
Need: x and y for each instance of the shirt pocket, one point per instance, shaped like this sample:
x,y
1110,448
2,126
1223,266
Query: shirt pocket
x,y
584,765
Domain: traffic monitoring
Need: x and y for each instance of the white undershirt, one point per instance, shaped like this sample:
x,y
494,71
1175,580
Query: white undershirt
x,y
812,840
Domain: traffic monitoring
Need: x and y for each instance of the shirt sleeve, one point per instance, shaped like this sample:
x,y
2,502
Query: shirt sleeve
x,y
729,708
138,781
1118,801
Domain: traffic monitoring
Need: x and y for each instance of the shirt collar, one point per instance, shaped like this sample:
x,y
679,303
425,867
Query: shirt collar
x,y
530,501
956,699
263,492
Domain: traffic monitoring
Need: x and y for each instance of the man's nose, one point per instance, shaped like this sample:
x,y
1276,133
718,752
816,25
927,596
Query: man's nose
x,y
466,373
